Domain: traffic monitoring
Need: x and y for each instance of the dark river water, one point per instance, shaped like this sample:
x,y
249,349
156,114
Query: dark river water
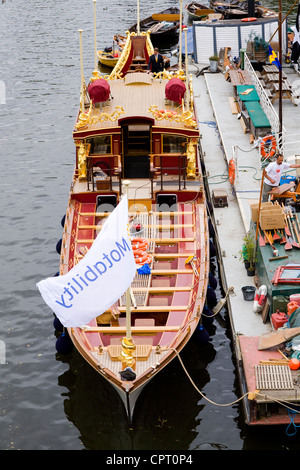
x,y
48,402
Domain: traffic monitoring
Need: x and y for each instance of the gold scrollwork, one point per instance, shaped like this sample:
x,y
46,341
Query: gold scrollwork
x,y
186,117
86,118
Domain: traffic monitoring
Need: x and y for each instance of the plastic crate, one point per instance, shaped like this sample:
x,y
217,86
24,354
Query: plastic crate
x,y
287,179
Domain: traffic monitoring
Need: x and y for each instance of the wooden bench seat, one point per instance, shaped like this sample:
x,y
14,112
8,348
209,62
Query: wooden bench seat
x,y
259,123
134,329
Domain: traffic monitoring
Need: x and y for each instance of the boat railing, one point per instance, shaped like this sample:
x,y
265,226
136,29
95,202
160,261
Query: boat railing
x,y
264,100
107,165
160,163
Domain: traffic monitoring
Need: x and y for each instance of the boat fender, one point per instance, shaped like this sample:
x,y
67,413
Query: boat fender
x,y
211,297
201,335
211,229
268,146
57,325
260,299
58,246
207,316
64,344
212,281
62,222
212,249
251,18
231,171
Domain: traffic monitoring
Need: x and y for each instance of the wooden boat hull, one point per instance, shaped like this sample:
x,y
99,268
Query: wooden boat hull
x,y
168,216
197,11
107,60
158,30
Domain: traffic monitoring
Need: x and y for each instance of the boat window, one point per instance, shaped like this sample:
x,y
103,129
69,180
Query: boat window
x,y
100,144
174,144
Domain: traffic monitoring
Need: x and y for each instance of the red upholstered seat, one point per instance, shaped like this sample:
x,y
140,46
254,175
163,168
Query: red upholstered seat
x,y
99,90
175,90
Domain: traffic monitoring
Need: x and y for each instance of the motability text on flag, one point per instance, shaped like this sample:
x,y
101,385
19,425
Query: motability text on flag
x,y
89,274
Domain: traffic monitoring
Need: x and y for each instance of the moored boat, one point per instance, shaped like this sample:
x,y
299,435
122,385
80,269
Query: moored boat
x,y
163,26
136,139
110,55
197,11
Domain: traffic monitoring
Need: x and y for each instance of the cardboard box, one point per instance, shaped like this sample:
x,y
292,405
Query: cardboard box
x,y
254,209
271,219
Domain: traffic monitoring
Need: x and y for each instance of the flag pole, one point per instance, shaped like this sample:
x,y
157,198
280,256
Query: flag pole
x,y
180,37
95,34
280,70
128,346
81,70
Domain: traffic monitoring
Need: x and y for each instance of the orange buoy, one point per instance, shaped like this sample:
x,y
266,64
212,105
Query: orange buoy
x,y
231,171
251,18
268,146
294,363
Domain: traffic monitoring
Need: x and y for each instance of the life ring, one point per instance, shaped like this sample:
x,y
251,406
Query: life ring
x,y
139,244
143,258
251,18
260,299
231,171
267,142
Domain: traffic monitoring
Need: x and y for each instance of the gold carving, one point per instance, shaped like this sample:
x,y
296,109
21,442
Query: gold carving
x,y
128,348
191,159
82,161
186,117
85,119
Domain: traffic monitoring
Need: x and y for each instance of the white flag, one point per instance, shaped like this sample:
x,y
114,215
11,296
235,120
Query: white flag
x,y
99,279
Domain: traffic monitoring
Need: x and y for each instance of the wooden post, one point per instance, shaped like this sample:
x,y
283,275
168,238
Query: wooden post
x,y
259,204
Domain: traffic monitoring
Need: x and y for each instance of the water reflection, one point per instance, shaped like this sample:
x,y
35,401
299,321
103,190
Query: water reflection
x,y
167,412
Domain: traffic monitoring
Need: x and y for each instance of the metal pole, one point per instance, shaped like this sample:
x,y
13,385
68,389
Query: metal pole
x,y
280,70
180,37
95,34
126,184
186,72
138,18
81,66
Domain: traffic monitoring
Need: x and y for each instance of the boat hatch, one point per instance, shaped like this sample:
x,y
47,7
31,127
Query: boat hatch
x,y
136,150
166,202
106,203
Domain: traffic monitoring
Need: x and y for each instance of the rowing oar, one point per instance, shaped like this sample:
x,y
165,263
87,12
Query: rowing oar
x,y
287,245
287,231
292,238
293,227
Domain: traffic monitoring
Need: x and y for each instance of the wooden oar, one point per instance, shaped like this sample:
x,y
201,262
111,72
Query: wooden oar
x,y
169,17
295,227
287,232
292,238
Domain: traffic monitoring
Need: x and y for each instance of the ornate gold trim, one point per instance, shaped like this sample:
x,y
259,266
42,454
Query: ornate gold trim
x,y
186,117
85,119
